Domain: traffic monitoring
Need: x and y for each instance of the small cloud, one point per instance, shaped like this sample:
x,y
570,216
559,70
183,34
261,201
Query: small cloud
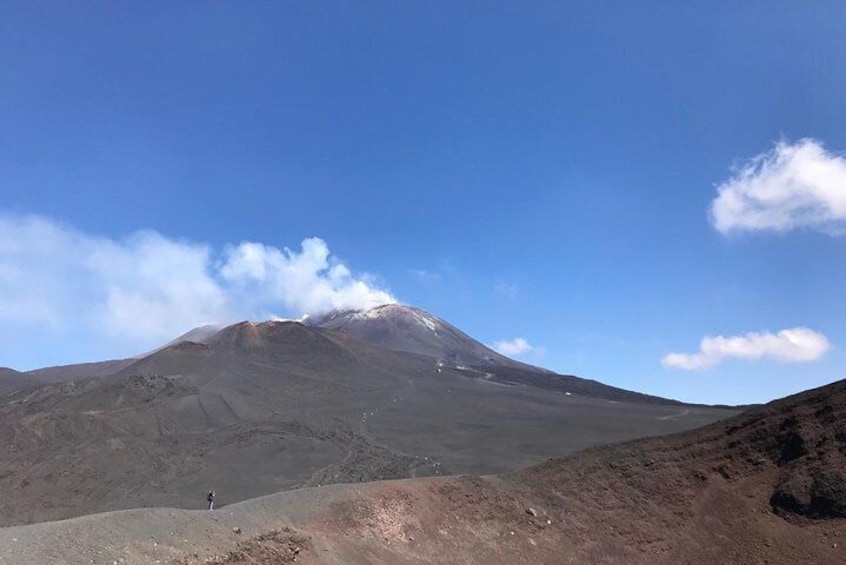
x,y
793,345
427,276
447,265
799,185
515,347
509,290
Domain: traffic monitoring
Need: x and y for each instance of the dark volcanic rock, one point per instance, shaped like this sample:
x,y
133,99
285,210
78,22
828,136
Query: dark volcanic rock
x,y
820,496
794,450
790,443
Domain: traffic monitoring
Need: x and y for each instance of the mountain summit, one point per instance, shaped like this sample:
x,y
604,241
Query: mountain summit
x,y
410,329
406,329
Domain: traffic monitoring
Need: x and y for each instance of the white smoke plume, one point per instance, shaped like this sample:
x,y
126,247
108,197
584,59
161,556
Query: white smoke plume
x,y
148,287
513,348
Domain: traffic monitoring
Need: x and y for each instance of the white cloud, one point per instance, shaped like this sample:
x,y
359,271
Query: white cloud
x,y
798,185
515,347
302,283
793,345
427,276
148,287
155,287
509,290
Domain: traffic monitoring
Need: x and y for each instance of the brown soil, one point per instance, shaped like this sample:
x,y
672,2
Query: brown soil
x,y
766,487
761,488
278,547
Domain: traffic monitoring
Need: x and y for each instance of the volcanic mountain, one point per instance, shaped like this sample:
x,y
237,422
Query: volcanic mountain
x,y
253,409
767,486
412,330
406,328
11,379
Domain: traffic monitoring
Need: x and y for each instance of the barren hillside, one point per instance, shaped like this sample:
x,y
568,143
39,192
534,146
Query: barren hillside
x,y
763,487
260,408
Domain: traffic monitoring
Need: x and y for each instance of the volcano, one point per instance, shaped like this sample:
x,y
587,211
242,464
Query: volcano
x,y
255,408
410,329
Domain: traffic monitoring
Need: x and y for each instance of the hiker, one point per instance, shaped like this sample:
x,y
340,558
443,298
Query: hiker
x,y
210,499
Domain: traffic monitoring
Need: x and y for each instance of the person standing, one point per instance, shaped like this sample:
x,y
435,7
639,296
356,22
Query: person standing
x,y
210,499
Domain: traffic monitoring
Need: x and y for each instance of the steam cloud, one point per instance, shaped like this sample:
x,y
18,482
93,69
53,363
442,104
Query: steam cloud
x,y
798,185
149,287
516,347
793,345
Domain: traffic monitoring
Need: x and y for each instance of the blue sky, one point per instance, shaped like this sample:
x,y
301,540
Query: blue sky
x,y
524,170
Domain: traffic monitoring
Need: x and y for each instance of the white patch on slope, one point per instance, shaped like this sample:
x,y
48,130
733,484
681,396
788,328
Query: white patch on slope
x,y
388,310
425,320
